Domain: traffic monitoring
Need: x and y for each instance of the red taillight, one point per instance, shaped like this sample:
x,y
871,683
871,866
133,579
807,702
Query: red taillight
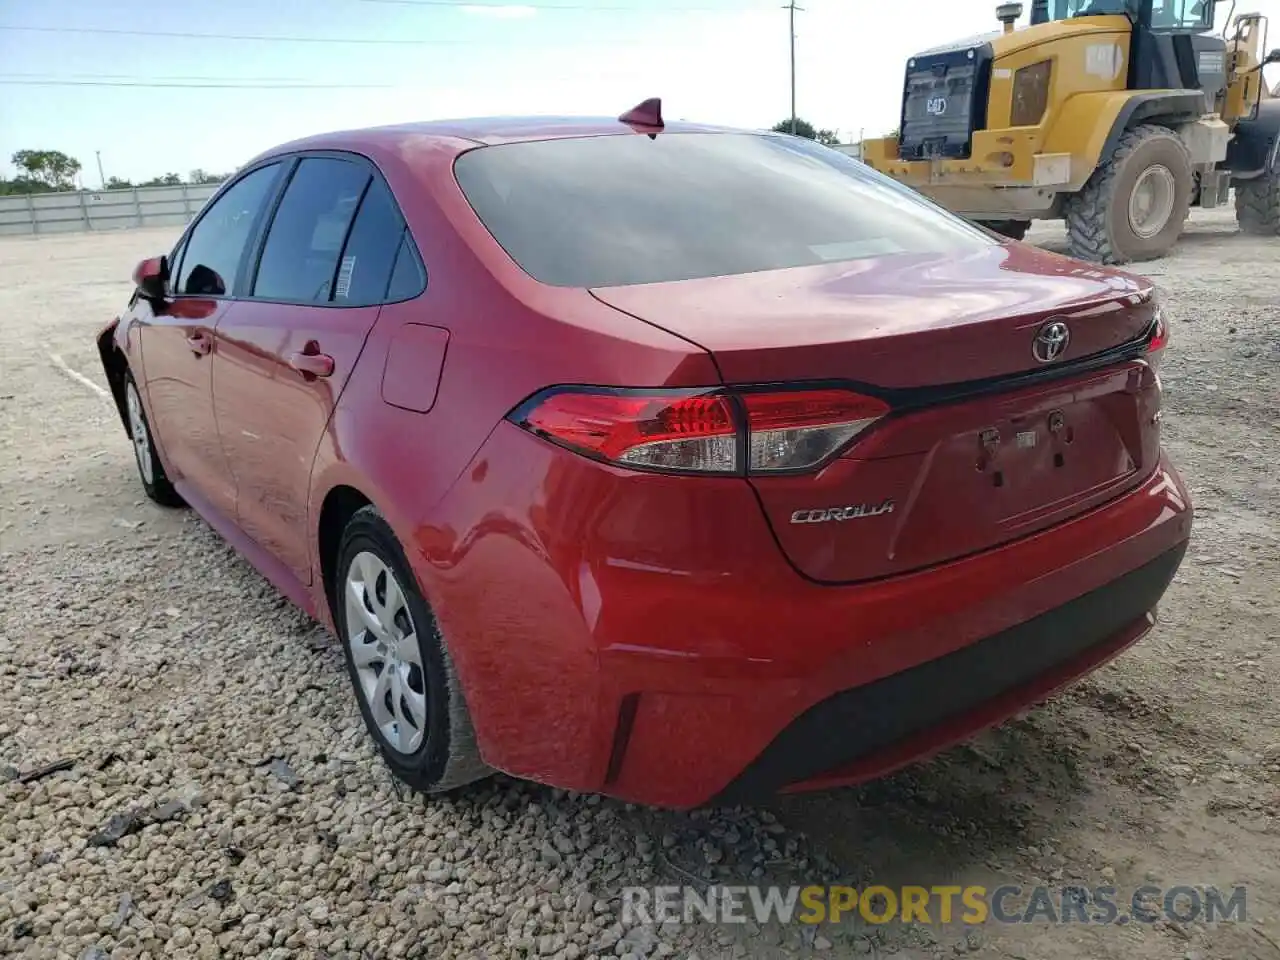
x,y
703,431
793,431
695,432
1158,338
1159,332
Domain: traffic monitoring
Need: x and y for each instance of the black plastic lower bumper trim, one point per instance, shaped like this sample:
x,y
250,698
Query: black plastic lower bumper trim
x,y
859,722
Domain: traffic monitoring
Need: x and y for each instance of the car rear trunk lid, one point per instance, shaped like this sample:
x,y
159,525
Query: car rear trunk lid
x,y
909,320
987,441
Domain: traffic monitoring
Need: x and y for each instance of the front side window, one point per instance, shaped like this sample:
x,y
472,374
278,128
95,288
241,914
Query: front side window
x,y
175,266
300,256
214,250
627,209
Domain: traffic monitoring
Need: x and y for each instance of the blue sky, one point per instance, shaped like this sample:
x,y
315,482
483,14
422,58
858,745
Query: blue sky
x,y
718,61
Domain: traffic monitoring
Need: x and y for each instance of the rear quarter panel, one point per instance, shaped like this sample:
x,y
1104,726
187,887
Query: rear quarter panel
x,y
502,347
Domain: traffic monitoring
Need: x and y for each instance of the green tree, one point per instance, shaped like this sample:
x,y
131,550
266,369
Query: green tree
x,y
115,183
168,180
52,168
21,185
199,175
807,130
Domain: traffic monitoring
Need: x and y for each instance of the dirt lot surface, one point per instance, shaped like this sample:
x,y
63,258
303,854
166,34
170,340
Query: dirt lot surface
x,y
220,797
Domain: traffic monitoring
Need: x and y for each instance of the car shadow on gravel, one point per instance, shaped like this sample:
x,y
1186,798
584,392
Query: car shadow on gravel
x,y
971,808
976,814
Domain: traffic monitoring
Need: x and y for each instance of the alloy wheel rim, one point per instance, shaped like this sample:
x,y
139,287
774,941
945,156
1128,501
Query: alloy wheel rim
x,y
383,643
1151,202
138,432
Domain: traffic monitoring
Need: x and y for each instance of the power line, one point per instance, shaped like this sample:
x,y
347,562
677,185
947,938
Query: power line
x,y
197,86
639,8
376,41
176,35
47,75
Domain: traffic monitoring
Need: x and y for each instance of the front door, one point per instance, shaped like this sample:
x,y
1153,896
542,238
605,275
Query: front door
x,y
177,338
284,354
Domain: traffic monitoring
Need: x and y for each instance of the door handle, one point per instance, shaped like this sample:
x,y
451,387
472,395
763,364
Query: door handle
x,y
201,343
311,363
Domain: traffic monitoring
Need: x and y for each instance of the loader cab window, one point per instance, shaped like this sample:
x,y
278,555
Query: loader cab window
x,y
1182,15
1067,9
1164,14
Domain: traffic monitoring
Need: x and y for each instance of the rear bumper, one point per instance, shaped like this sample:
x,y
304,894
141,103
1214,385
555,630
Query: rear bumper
x,y
867,731
644,637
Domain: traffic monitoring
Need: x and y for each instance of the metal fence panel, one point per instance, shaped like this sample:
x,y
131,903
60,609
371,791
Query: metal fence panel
x,y
41,213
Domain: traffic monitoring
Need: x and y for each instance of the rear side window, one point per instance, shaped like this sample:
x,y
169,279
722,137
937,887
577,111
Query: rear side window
x,y
300,257
627,209
370,254
210,260
407,277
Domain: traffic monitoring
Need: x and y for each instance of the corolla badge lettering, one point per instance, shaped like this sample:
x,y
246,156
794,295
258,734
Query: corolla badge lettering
x,y
858,511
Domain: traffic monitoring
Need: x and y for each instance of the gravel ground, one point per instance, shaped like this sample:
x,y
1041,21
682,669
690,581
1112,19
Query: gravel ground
x,y
215,794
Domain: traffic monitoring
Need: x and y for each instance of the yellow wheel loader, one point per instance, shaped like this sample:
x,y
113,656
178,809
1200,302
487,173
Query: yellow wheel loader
x,y
1117,116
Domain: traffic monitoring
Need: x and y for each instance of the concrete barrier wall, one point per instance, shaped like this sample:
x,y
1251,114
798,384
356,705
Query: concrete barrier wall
x,y
44,213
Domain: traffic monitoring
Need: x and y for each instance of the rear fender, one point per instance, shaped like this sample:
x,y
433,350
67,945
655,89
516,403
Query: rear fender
x,y
1255,149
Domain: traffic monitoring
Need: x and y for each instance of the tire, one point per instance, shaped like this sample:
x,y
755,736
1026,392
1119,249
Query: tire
x,y
1258,205
1099,226
150,470
429,745
1013,229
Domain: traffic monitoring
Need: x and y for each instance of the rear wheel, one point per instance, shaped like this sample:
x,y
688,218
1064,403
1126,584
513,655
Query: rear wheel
x,y
150,470
1258,205
402,674
1135,204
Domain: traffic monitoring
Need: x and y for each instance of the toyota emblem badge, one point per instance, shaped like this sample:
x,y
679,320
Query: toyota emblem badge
x,y
1051,341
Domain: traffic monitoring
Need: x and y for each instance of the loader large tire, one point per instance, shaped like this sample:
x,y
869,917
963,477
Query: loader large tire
x,y
1013,229
1108,221
1258,205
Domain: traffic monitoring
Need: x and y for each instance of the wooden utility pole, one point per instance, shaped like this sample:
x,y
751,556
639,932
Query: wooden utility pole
x,y
791,9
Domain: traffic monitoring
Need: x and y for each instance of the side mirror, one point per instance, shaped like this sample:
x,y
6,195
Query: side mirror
x,y
149,277
1272,57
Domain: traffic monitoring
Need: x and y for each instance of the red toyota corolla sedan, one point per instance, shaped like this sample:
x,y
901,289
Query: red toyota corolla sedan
x,y
676,463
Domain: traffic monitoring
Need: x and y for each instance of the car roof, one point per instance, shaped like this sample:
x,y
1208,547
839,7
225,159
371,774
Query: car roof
x,y
484,131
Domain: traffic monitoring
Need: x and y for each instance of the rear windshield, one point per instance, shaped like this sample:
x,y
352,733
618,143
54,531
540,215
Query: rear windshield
x,y
617,210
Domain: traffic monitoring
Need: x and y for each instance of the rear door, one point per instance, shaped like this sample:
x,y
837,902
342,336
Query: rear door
x,y
285,353
178,336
